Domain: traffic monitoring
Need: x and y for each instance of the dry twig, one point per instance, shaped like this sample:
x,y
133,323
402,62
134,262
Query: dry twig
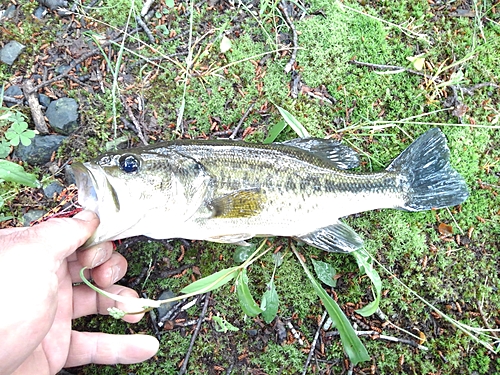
x,y
201,318
237,129
290,64
377,335
313,344
36,111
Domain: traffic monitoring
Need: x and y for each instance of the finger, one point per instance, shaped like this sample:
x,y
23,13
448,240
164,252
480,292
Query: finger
x,y
106,349
105,275
87,302
95,255
56,238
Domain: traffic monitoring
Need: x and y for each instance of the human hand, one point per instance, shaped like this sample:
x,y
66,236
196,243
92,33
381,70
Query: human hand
x,y
38,267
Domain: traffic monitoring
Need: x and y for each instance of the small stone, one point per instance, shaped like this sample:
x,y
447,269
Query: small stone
x,y
14,92
32,215
63,115
8,13
10,52
40,150
44,100
54,188
54,4
69,175
166,307
63,69
40,12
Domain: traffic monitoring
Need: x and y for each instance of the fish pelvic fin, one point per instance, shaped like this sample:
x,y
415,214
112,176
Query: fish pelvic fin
x,y
337,237
426,175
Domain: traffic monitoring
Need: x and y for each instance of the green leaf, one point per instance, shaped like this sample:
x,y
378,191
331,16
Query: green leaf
x,y
15,173
222,325
19,127
275,130
225,44
325,272
293,122
350,341
169,3
270,303
247,303
365,265
4,149
211,282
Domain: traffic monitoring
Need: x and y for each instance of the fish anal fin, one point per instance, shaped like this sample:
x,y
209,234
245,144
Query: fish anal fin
x,y
342,156
238,204
338,237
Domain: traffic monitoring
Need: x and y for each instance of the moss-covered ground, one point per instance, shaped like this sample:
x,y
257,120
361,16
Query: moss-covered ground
x,y
451,53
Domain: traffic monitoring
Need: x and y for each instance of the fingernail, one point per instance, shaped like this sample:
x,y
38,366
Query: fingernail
x,y
115,273
99,257
85,215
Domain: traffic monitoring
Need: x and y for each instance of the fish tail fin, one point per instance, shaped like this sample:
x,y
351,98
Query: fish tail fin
x,y
429,180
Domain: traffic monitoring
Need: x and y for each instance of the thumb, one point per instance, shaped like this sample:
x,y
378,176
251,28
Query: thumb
x,y
59,237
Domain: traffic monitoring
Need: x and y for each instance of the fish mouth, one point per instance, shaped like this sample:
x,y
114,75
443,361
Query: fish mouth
x,y
86,184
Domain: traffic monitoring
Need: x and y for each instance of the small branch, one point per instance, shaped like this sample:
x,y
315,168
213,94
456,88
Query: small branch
x,y
377,335
313,344
237,129
470,90
485,321
144,27
36,110
395,68
201,318
136,123
290,64
145,7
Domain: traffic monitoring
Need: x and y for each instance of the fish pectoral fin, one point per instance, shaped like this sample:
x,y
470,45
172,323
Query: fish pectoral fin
x,y
238,204
338,237
342,156
238,239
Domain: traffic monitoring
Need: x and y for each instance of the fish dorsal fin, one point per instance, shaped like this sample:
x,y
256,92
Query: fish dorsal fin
x,y
338,237
238,204
342,156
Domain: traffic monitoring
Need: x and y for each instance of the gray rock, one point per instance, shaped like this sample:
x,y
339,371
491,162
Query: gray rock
x,y
63,115
54,187
8,13
69,175
54,4
32,215
44,100
13,91
165,308
62,69
40,150
40,12
10,52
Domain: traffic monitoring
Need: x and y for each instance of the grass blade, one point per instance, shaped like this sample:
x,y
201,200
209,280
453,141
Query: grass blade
x,y
365,265
293,122
353,346
211,282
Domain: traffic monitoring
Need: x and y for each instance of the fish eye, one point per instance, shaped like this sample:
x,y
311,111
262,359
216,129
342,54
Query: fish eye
x,y
129,163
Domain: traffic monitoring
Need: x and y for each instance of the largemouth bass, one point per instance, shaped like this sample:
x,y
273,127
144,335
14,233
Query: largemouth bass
x,y
229,191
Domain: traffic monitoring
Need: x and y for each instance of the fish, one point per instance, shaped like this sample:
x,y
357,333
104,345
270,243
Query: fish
x,y
230,191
